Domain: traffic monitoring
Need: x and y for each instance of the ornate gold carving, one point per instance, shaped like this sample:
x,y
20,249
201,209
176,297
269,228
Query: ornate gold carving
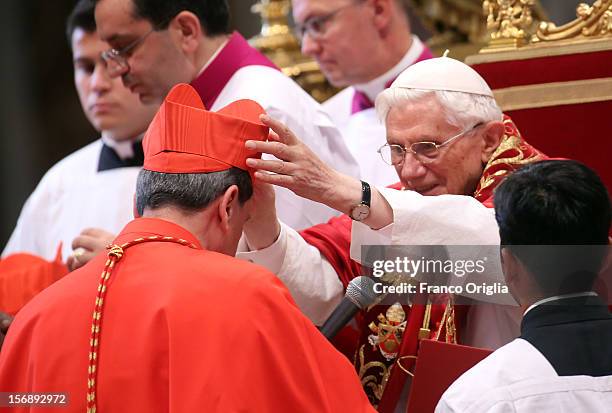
x,y
512,22
592,22
277,41
541,49
509,21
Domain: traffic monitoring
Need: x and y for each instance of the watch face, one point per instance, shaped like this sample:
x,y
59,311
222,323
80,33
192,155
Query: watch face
x,y
360,212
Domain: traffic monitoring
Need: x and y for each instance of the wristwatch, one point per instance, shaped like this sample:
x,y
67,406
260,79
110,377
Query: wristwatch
x,y
362,210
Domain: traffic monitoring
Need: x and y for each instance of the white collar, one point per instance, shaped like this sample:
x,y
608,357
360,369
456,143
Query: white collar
x,y
560,297
123,148
375,86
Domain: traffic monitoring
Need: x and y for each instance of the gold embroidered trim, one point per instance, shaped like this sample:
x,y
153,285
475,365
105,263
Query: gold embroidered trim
x,y
371,380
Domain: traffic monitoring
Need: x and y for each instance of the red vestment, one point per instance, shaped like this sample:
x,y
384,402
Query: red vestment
x,y
381,379
183,330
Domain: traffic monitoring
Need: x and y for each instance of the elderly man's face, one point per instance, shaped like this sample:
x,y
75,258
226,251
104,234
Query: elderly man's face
x,y
459,165
347,39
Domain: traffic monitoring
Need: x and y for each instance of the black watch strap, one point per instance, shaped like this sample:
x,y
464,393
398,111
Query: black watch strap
x,y
362,210
366,194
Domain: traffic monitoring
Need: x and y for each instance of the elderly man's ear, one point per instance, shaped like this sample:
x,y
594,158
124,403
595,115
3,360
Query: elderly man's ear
x,y
492,135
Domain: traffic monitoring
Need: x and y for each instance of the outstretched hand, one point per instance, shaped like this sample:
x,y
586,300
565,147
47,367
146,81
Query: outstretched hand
x,y
299,169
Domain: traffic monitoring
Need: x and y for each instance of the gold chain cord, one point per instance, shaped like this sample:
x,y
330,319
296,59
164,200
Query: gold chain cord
x,y
114,256
448,320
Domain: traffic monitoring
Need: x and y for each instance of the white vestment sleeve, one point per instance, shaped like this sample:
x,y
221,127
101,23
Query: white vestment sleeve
x,y
309,277
451,220
429,220
437,220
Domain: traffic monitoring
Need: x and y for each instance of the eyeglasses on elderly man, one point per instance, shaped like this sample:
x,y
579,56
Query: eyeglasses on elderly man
x,y
425,152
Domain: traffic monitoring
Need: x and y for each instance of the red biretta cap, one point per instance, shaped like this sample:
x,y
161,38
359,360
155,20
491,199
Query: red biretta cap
x,y
186,138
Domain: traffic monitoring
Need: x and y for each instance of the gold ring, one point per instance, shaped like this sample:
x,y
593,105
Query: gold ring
x,y
77,253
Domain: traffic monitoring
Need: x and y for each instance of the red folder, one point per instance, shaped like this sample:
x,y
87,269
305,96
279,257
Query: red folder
x,y
438,365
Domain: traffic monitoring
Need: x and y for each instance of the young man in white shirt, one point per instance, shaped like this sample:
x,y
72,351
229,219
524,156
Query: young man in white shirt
x,y
75,193
554,218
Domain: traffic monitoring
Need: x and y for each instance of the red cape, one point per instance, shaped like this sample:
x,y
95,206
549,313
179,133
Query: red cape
x,y
183,330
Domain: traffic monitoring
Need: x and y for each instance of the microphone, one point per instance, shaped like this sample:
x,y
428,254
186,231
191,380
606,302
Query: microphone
x,y
359,295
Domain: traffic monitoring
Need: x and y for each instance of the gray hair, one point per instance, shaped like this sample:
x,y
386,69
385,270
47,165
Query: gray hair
x,y
463,110
189,192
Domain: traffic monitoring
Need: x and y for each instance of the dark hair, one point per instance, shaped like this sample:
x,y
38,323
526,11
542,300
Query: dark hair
x,y
214,15
553,215
406,7
81,17
189,192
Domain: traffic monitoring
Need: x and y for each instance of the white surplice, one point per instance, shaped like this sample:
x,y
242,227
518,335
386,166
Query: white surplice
x,y
70,197
517,378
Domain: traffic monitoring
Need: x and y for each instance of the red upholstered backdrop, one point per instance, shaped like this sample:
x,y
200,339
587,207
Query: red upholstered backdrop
x,y
581,131
562,68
